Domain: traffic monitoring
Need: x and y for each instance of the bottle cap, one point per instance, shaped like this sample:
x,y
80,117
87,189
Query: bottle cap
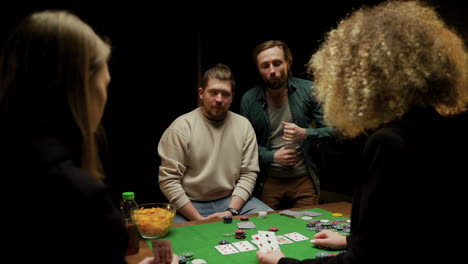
x,y
128,195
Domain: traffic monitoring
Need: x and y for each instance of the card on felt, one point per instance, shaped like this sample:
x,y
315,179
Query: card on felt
x,y
296,236
246,225
283,240
226,249
244,246
162,251
268,241
291,213
310,213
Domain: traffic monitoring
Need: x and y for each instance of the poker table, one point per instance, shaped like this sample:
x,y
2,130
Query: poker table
x,y
201,237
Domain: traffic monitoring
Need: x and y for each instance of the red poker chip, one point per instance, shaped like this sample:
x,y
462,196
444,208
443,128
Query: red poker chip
x,y
240,231
273,229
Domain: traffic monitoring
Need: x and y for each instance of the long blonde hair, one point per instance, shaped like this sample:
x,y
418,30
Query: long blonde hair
x,y
45,71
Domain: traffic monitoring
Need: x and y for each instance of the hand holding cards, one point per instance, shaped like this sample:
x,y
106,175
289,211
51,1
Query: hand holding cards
x,y
162,251
267,241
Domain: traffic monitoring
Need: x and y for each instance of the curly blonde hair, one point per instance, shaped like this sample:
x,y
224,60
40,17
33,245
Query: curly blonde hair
x,y
382,61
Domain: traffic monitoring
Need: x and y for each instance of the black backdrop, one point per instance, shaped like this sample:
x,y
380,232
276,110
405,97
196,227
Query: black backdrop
x,y
159,53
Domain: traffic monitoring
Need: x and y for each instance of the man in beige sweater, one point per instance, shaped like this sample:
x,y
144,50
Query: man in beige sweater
x,y
209,160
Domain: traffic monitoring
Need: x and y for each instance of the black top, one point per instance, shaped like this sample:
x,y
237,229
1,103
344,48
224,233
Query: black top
x,y
408,198
57,213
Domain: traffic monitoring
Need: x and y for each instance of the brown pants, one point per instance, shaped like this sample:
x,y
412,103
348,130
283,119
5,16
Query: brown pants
x,y
289,193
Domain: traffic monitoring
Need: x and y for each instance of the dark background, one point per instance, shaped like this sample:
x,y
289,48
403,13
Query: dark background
x,y
158,54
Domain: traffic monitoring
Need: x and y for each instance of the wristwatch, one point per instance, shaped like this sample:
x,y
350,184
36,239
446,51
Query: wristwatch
x,y
232,210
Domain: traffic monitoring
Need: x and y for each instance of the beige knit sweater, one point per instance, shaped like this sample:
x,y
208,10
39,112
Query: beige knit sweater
x,y
203,160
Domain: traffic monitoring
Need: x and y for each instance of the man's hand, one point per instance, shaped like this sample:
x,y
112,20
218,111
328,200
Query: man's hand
x,y
285,156
293,133
219,215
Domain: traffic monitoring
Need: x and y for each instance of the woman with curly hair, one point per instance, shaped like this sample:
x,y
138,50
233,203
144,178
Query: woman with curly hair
x,y
398,74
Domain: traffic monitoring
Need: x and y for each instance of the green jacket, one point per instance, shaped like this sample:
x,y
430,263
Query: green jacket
x,y
304,110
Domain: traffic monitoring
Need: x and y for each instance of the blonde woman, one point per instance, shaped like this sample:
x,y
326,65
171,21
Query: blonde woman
x,y
53,90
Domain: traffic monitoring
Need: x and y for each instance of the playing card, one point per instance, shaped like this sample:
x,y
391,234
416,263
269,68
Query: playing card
x,y
268,241
256,237
291,213
296,236
226,249
310,213
283,240
162,251
256,242
246,225
244,246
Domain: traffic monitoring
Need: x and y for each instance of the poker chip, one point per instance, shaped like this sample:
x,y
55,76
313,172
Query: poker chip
x,y
273,229
188,255
223,242
262,214
240,236
244,218
182,260
227,219
337,227
240,232
306,218
321,254
199,261
324,220
337,214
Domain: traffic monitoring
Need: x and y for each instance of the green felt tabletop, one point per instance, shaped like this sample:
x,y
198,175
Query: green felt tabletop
x,y
202,239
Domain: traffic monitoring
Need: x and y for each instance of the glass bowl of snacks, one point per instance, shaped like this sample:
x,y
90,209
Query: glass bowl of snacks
x,y
154,220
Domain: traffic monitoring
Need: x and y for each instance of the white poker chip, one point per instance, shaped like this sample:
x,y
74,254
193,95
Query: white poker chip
x,y
262,214
324,221
199,261
306,218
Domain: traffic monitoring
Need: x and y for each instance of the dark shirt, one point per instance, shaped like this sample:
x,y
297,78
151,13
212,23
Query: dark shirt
x,y
65,215
304,110
406,205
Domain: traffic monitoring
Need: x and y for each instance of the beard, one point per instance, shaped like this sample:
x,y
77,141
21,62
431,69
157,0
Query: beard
x,y
276,83
215,113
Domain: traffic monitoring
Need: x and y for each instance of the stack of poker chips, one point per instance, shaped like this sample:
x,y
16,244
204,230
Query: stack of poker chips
x,y
323,254
343,226
182,260
224,242
188,256
227,219
240,234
